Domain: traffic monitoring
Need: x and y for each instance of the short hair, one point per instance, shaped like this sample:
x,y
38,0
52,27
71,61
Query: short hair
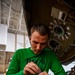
x,y
41,28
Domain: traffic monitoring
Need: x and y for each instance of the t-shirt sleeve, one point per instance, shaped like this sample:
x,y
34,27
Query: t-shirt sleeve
x,y
56,66
14,68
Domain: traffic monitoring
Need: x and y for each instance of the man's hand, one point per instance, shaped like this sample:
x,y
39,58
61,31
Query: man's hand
x,y
31,68
43,73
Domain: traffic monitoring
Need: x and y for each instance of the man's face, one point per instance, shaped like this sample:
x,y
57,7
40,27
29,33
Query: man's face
x,y
38,42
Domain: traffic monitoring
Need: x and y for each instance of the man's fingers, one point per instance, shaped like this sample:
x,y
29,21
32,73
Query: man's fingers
x,y
31,68
35,67
43,73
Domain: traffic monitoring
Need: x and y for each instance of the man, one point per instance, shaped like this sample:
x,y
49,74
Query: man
x,y
37,59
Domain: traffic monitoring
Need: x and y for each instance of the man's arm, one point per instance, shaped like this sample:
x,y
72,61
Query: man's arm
x,y
56,66
14,66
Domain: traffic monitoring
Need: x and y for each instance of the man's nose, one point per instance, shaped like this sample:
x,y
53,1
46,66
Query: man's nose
x,y
38,46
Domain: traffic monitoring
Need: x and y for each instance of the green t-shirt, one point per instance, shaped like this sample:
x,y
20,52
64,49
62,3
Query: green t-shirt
x,y
45,60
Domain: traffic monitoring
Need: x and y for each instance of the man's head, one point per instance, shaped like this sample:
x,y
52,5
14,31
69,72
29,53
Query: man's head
x,y
39,37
